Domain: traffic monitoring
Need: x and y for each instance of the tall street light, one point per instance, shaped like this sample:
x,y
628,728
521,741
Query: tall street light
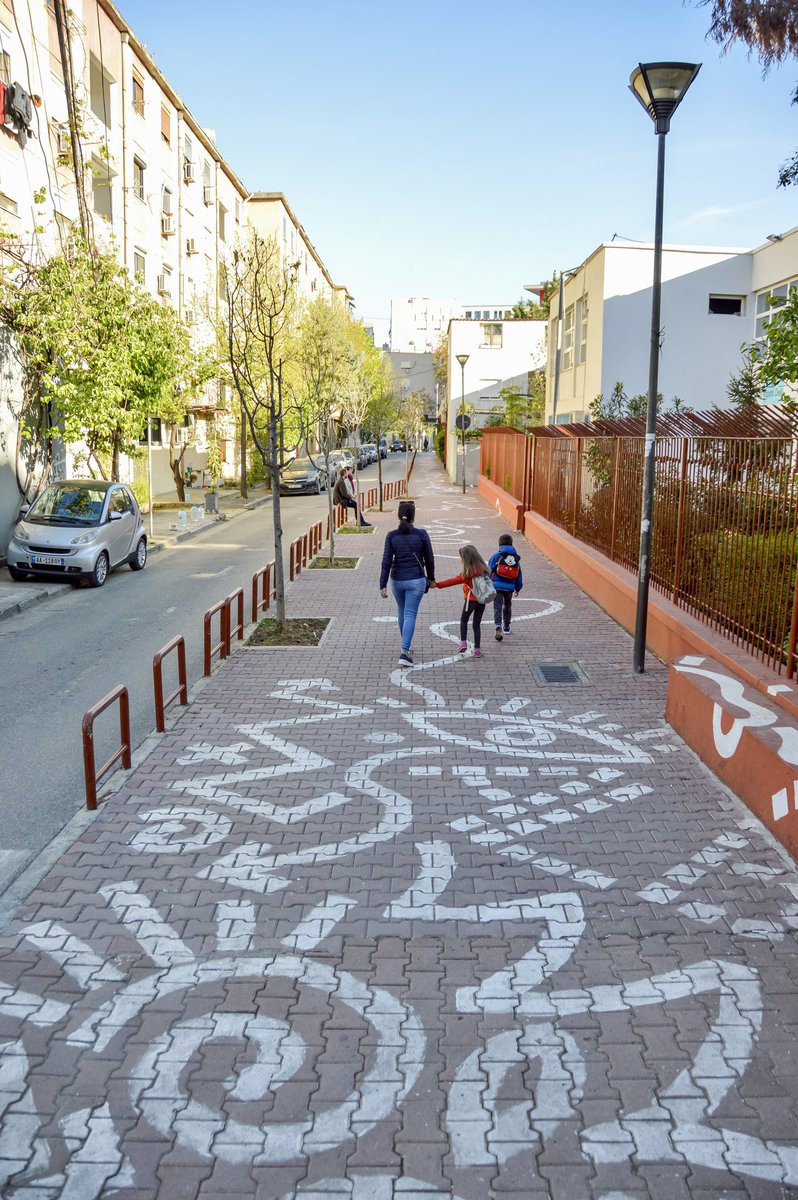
x,y
660,88
463,359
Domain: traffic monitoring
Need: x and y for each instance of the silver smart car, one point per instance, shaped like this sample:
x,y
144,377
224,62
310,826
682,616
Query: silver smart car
x,y
78,529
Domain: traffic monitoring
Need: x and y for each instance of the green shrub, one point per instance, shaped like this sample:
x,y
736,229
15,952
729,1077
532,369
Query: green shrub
x,y
255,471
439,441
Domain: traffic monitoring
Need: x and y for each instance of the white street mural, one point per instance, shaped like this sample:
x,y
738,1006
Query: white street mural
x,y
322,873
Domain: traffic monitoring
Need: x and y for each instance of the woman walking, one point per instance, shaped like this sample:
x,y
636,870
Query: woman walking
x,y
407,557
472,564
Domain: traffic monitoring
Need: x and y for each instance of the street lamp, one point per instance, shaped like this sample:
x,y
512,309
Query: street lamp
x,y
660,88
463,359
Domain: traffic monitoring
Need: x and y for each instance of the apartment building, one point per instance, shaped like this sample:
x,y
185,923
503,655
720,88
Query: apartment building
x,y
419,323
158,190
271,216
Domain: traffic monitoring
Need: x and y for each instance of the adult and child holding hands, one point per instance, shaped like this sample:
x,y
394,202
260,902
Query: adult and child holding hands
x,y
408,560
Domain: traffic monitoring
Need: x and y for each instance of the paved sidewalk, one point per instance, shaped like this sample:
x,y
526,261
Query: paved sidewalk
x,y
353,932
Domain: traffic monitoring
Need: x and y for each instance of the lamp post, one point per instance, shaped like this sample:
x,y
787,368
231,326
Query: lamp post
x,y
463,359
660,88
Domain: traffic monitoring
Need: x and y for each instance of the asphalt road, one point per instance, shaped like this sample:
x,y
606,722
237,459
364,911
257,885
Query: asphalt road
x,y
60,657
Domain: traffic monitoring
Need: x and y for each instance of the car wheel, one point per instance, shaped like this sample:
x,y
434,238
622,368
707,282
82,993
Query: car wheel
x,y
139,560
100,571
16,574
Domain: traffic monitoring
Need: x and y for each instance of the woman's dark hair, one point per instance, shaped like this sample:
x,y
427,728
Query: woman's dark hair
x,y
407,515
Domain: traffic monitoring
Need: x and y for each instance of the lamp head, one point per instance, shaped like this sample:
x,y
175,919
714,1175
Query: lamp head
x,y
660,88
462,359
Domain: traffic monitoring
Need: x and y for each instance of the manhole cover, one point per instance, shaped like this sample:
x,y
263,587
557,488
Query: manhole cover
x,y
557,672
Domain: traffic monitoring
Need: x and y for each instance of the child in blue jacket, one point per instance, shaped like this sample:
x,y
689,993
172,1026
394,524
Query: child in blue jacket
x,y
506,577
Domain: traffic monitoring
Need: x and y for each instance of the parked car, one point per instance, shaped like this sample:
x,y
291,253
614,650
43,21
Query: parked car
x,y
363,457
383,447
78,529
301,476
371,451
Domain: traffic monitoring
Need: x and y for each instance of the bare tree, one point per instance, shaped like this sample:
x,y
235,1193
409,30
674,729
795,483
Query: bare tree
x,y
259,324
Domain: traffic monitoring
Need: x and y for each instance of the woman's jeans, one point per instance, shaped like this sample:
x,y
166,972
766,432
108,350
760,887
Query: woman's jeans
x,y
407,594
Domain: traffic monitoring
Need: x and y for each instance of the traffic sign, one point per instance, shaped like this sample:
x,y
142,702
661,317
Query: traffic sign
x,y
463,421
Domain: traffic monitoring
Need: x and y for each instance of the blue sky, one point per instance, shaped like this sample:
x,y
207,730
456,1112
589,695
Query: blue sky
x,y
463,149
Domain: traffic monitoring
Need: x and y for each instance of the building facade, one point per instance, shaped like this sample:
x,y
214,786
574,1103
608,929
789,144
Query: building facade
x,y
715,300
501,354
418,323
159,194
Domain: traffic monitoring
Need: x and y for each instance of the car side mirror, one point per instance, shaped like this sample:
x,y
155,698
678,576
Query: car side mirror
x,y
114,516
23,511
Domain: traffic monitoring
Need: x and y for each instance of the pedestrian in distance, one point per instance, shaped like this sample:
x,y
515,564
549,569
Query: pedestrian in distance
x,y
408,559
473,565
344,494
507,578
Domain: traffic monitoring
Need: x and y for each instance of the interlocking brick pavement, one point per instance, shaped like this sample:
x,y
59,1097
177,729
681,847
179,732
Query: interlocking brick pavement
x,y
361,933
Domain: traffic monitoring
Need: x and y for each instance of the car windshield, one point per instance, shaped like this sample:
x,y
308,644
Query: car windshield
x,y
301,464
66,504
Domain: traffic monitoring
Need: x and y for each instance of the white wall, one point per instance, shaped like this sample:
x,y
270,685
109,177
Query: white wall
x,y
418,323
700,350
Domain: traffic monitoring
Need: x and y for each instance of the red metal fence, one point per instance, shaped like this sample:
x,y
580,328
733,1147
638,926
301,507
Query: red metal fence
x,y
505,459
725,537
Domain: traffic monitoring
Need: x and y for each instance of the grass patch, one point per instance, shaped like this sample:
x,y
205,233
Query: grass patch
x,y
327,564
300,631
355,529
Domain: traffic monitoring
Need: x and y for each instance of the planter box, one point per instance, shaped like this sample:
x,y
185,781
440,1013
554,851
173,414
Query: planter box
x,y
211,502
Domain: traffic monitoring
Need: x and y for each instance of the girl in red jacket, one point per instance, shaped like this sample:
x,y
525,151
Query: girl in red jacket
x,y
472,564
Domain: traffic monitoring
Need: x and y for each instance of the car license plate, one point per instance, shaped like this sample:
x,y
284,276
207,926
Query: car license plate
x,y
47,560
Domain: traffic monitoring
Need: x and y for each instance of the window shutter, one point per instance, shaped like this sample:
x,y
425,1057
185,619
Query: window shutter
x,y
166,124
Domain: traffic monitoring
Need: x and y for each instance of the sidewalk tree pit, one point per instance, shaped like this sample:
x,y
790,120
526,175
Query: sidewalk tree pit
x,y
298,631
329,564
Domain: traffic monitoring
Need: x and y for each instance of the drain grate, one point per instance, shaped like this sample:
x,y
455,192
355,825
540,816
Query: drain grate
x,y
559,672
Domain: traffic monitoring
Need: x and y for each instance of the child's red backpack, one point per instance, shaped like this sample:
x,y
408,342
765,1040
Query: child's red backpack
x,y
508,566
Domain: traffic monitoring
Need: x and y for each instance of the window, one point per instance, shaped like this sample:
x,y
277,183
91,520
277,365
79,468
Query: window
x,y
468,314
140,265
568,339
7,14
120,501
8,205
52,44
207,194
188,159
99,92
156,432
138,93
102,199
222,216
492,335
5,64
581,329
768,303
167,202
727,306
166,125
138,178
238,218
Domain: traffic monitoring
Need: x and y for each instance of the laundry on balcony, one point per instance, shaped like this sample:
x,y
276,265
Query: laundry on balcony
x,y
19,111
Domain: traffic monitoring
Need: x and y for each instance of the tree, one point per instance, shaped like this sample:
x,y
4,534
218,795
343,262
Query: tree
x,y
775,360
521,410
745,388
322,359
382,411
259,329
527,309
440,367
769,28
100,355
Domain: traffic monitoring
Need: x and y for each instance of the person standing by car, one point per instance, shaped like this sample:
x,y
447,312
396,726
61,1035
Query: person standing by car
x,y
407,557
344,494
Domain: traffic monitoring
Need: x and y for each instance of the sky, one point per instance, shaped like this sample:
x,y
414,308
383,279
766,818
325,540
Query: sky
x,y
461,150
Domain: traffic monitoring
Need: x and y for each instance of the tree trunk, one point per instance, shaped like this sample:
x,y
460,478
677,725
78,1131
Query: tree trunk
x,y
274,476
379,466
175,464
243,452
330,507
115,455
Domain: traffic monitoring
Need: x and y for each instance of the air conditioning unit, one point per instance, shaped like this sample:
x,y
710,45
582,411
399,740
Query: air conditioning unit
x,y
163,285
188,172
207,194
167,224
191,247
181,435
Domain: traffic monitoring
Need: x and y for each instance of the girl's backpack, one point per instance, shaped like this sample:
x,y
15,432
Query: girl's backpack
x,y
483,589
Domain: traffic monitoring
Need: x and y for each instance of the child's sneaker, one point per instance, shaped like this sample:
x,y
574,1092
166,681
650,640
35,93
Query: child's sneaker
x,y
477,653
461,649
506,632
498,634
405,659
